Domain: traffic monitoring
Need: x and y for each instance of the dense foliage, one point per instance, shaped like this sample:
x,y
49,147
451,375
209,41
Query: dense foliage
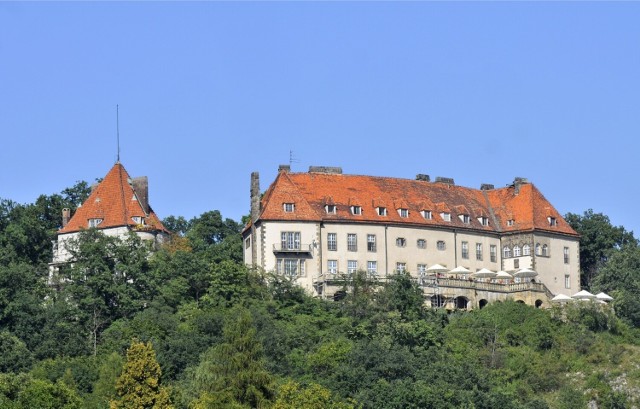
x,y
189,326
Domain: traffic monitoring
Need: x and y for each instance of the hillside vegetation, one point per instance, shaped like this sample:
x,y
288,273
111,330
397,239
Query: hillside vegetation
x,y
192,327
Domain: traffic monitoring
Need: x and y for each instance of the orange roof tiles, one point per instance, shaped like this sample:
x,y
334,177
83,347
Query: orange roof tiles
x,y
528,208
113,200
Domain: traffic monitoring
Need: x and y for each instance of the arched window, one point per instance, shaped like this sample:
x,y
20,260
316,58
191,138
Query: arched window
x,y
516,251
506,252
545,250
526,250
538,251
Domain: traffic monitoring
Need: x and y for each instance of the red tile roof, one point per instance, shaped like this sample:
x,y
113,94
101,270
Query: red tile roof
x,y
309,192
113,200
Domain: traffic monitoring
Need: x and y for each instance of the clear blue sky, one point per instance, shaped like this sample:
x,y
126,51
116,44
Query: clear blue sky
x,y
210,91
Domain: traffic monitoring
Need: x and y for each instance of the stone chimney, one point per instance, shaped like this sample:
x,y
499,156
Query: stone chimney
x,y
141,187
255,196
487,186
446,181
335,170
284,168
66,216
517,182
423,177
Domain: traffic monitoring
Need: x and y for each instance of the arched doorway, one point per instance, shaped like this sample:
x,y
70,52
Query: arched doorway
x,y
437,301
483,303
339,295
538,303
460,303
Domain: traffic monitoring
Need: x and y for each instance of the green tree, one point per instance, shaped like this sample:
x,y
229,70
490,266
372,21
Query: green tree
x,y
138,387
235,368
599,239
292,395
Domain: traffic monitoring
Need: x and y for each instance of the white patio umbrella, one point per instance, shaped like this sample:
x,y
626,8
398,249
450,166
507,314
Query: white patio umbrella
x,y
503,275
525,273
561,298
459,270
583,295
484,273
436,268
604,297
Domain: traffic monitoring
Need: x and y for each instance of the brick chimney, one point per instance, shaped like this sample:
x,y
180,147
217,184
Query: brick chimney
x,y
141,187
66,216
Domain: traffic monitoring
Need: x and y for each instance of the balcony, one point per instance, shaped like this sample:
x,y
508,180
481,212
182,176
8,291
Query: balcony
x,y
292,248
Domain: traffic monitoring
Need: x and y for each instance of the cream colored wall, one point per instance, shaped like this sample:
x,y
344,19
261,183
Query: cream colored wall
x,y
553,269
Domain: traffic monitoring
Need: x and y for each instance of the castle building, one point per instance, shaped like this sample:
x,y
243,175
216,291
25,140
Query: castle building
x,y
116,206
322,226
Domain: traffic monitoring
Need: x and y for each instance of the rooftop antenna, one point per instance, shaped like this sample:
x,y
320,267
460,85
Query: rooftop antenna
x,y
118,131
292,159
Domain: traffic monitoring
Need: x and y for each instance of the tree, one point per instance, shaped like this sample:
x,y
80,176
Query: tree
x,y
293,396
599,239
620,278
139,384
235,368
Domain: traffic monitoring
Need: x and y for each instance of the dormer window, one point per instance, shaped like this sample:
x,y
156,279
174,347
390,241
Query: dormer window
x,y
289,207
426,214
446,216
357,210
483,221
331,209
95,222
382,211
465,218
552,221
138,220
403,212
510,222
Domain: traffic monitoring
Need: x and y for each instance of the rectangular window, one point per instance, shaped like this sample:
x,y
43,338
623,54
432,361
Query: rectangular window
x,y
352,242
94,222
427,214
401,242
422,244
291,267
446,216
332,266
510,222
422,269
465,218
516,263
493,253
479,251
372,267
247,242
441,245
565,251
483,221
331,209
352,266
357,210
465,250
290,240
401,267
403,212
567,281
382,211
371,242
289,207
332,241
552,221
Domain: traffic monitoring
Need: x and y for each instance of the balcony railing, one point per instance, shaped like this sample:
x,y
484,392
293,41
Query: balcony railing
x,y
288,248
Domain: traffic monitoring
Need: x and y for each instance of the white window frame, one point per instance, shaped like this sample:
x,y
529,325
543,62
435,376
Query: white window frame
x,y
441,245
372,246
567,281
332,266
484,221
506,252
382,211
401,242
565,253
352,266
352,242
464,250
493,253
372,268
516,251
356,210
289,207
465,218
95,222
290,240
330,209
479,254
421,243
426,214
332,241
446,216
401,267
526,250
404,213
